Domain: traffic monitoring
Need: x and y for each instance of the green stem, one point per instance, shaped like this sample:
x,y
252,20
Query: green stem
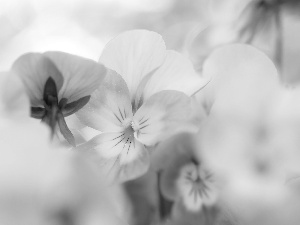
x,y
165,206
279,40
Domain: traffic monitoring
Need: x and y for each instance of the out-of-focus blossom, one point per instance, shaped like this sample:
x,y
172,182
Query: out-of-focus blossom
x,y
269,25
188,183
44,184
58,84
14,103
234,64
257,22
204,39
250,137
184,178
145,104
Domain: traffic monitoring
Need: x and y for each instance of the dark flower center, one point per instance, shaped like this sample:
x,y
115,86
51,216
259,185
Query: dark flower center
x,y
54,111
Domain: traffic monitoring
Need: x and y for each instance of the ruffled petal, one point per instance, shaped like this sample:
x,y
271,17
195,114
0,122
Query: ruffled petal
x,y
14,101
163,115
176,73
134,54
121,159
81,76
109,105
34,70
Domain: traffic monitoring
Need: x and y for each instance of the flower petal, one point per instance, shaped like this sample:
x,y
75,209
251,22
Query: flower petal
x,y
14,101
243,79
163,115
109,105
34,70
81,76
119,158
134,54
176,73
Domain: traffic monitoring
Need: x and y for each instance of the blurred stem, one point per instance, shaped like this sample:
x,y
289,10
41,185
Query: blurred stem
x,y
279,40
141,193
165,206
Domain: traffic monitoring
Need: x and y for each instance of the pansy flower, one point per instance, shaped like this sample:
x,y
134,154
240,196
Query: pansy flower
x,y
185,180
142,102
58,84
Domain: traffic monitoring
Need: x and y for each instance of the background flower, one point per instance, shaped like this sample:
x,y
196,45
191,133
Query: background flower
x,y
14,103
249,138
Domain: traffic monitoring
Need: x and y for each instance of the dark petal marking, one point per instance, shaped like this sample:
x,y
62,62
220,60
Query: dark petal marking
x,y
144,126
118,137
129,147
117,118
119,142
125,144
121,113
143,121
38,112
73,107
65,130
124,113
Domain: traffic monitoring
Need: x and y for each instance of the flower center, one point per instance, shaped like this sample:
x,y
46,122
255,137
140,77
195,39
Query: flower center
x,y
54,111
194,185
129,132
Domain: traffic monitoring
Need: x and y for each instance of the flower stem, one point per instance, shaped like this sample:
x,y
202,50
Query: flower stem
x,y
279,40
165,206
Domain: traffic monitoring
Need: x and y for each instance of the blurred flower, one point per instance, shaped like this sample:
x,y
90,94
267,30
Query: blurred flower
x,y
250,137
143,105
14,103
257,22
185,179
45,184
244,68
58,84
188,183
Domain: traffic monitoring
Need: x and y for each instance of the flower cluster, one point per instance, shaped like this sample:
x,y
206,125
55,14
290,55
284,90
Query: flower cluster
x,y
141,137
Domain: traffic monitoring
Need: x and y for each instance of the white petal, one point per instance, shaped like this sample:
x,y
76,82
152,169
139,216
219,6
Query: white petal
x,y
34,69
119,158
134,54
176,73
109,105
81,76
163,115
